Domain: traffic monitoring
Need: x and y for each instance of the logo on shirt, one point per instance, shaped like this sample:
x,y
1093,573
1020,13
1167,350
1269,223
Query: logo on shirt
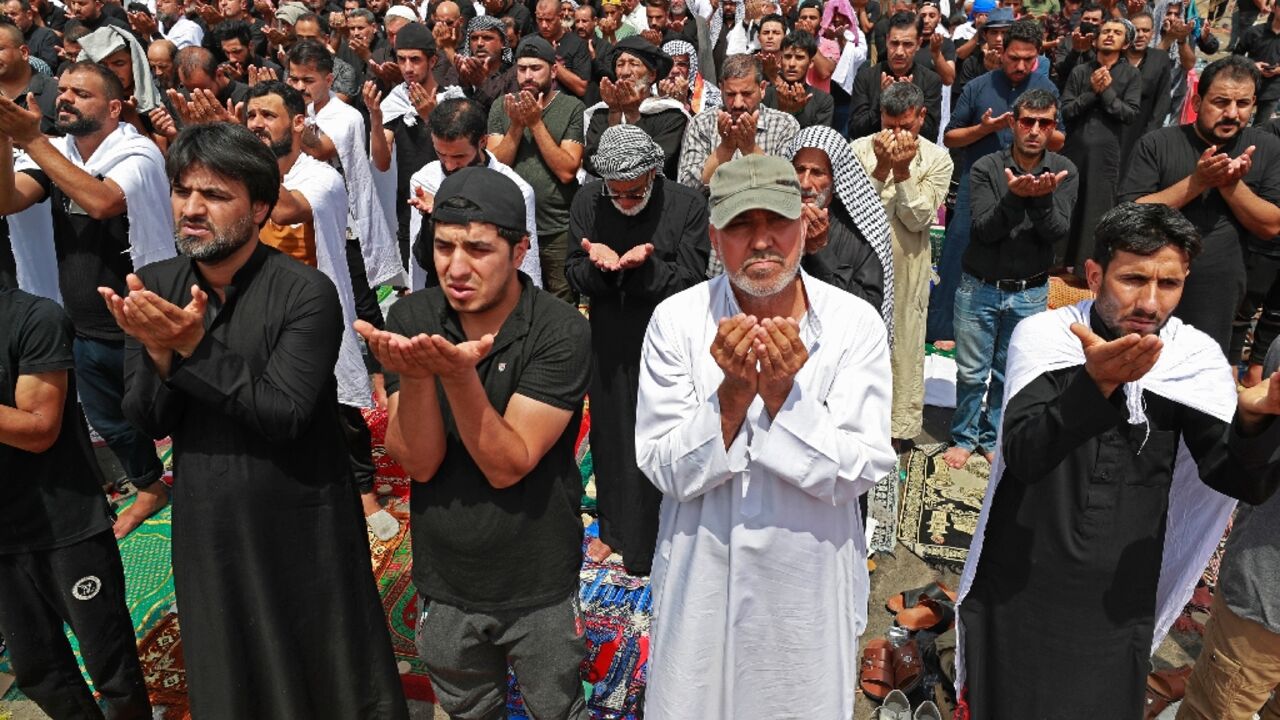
x,y
86,588
502,367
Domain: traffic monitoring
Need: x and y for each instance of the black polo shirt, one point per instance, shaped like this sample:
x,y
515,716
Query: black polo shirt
x,y
1012,237
474,546
1261,44
55,498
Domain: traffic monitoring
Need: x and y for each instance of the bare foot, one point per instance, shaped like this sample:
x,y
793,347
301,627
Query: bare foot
x,y
956,456
597,551
944,345
149,502
369,502
1252,377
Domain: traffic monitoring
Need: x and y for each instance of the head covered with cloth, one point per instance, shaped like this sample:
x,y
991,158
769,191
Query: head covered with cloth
x,y
629,162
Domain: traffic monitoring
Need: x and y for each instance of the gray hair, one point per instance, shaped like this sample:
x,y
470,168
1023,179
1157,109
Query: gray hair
x,y
741,66
901,97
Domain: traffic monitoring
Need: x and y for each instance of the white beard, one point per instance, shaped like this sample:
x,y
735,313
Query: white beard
x,y
632,212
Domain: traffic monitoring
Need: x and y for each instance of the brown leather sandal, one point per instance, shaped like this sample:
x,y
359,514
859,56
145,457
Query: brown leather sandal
x,y
908,667
929,614
876,678
911,598
1164,688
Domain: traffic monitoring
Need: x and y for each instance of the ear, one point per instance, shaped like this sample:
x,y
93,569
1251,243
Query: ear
x,y
1093,273
518,251
484,141
115,108
299,123
260,211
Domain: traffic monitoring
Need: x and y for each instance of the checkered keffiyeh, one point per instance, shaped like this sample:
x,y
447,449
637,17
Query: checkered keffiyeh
x,y
627,152
487,22
854,190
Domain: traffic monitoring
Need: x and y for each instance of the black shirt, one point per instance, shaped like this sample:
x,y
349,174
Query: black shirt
x,y
864,111
91,254
924,56
43,43
818,111
475,546
576,57
413,150
55,497
1013,237
8,267
1261,44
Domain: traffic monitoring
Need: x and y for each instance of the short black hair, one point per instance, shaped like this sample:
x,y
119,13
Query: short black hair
x,y
1090,7
1143,229
457,118
903,21
802,40
74,30
1232,67
293,101
1025,30
775,17
110,83
1034,99
234,30
513,237
313,53
363,14
138,7
321,22
231,151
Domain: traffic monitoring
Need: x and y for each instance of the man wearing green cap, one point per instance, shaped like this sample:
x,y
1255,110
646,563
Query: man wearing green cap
x,y
761,416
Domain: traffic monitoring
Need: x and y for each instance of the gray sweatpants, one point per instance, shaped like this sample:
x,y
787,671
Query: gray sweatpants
x,y
466,654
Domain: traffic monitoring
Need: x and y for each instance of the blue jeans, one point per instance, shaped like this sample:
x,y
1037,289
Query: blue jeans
x,y
100,383
941,318
984,318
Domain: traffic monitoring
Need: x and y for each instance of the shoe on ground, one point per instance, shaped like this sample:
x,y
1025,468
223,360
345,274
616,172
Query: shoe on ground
x,y
927,711
895,707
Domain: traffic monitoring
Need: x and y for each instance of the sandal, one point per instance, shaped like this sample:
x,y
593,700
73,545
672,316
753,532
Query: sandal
x,y
908,669
876,678
911,598
1164,688
929,614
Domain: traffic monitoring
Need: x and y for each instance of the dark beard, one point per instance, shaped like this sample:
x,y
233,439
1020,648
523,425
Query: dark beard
x,y
223,245
282,147
79,127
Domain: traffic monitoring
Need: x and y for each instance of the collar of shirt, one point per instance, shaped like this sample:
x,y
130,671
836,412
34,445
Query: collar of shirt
x,y
514,328
1042,165
884,68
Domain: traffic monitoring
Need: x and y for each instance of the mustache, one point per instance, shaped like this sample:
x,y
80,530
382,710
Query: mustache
x,y
188,220
763,257
68,109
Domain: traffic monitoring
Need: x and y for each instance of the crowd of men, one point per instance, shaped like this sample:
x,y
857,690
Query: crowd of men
x,y
202,202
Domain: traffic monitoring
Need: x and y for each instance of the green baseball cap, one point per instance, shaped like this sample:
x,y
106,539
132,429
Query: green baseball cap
x,y
754,182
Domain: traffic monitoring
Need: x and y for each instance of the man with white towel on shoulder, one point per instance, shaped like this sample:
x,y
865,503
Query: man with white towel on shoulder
x,y
107,216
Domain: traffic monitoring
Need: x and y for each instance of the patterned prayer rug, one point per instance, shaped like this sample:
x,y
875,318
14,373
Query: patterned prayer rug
x,y
940,506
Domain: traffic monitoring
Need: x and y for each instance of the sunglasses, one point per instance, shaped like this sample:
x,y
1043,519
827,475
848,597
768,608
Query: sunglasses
x,y
1030,123
640,194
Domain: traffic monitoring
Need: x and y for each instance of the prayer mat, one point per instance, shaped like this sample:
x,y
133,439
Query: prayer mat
x,y
882,506
940,506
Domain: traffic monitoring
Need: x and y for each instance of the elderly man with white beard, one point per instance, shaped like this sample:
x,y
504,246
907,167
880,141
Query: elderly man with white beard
x,y
762,415
643,238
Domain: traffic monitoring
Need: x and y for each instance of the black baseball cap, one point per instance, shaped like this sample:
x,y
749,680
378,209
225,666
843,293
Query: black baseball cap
x,y
496,197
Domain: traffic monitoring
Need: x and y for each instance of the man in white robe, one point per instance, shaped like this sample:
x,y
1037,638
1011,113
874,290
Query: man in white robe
x,y
763,413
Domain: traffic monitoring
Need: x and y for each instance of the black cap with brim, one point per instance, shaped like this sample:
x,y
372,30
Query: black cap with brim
x,y
496,198
536,47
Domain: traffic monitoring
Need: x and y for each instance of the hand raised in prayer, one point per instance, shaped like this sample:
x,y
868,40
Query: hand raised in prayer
x,y
524,109
1028,185
424,101
1100,80
601,255
733,350
782,353
674,88
261,75
902,151
677,23
407,357
359,46
276,36
1258,404
652,36
882,145
769,61
935,43
264,8
373,102
209,14
792,97
422,201
143,24
1081,42
744,132
162,327
337,21
163,122
453,362
1240,165
620,96
388,72
1214,169
817,221
446,36
22,125
471,70
635,257
1116,362
993,123
608,26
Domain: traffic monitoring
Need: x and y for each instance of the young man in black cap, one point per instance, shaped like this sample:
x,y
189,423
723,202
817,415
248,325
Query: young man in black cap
x,y
638,65
485,380
538,133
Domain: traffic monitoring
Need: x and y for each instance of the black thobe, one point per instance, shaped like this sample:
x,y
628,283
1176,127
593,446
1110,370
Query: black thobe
x,y
819,110
847,260
675,221
665,127
1061,615
1156,75
864,111
1095,122
280,614
1217,281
